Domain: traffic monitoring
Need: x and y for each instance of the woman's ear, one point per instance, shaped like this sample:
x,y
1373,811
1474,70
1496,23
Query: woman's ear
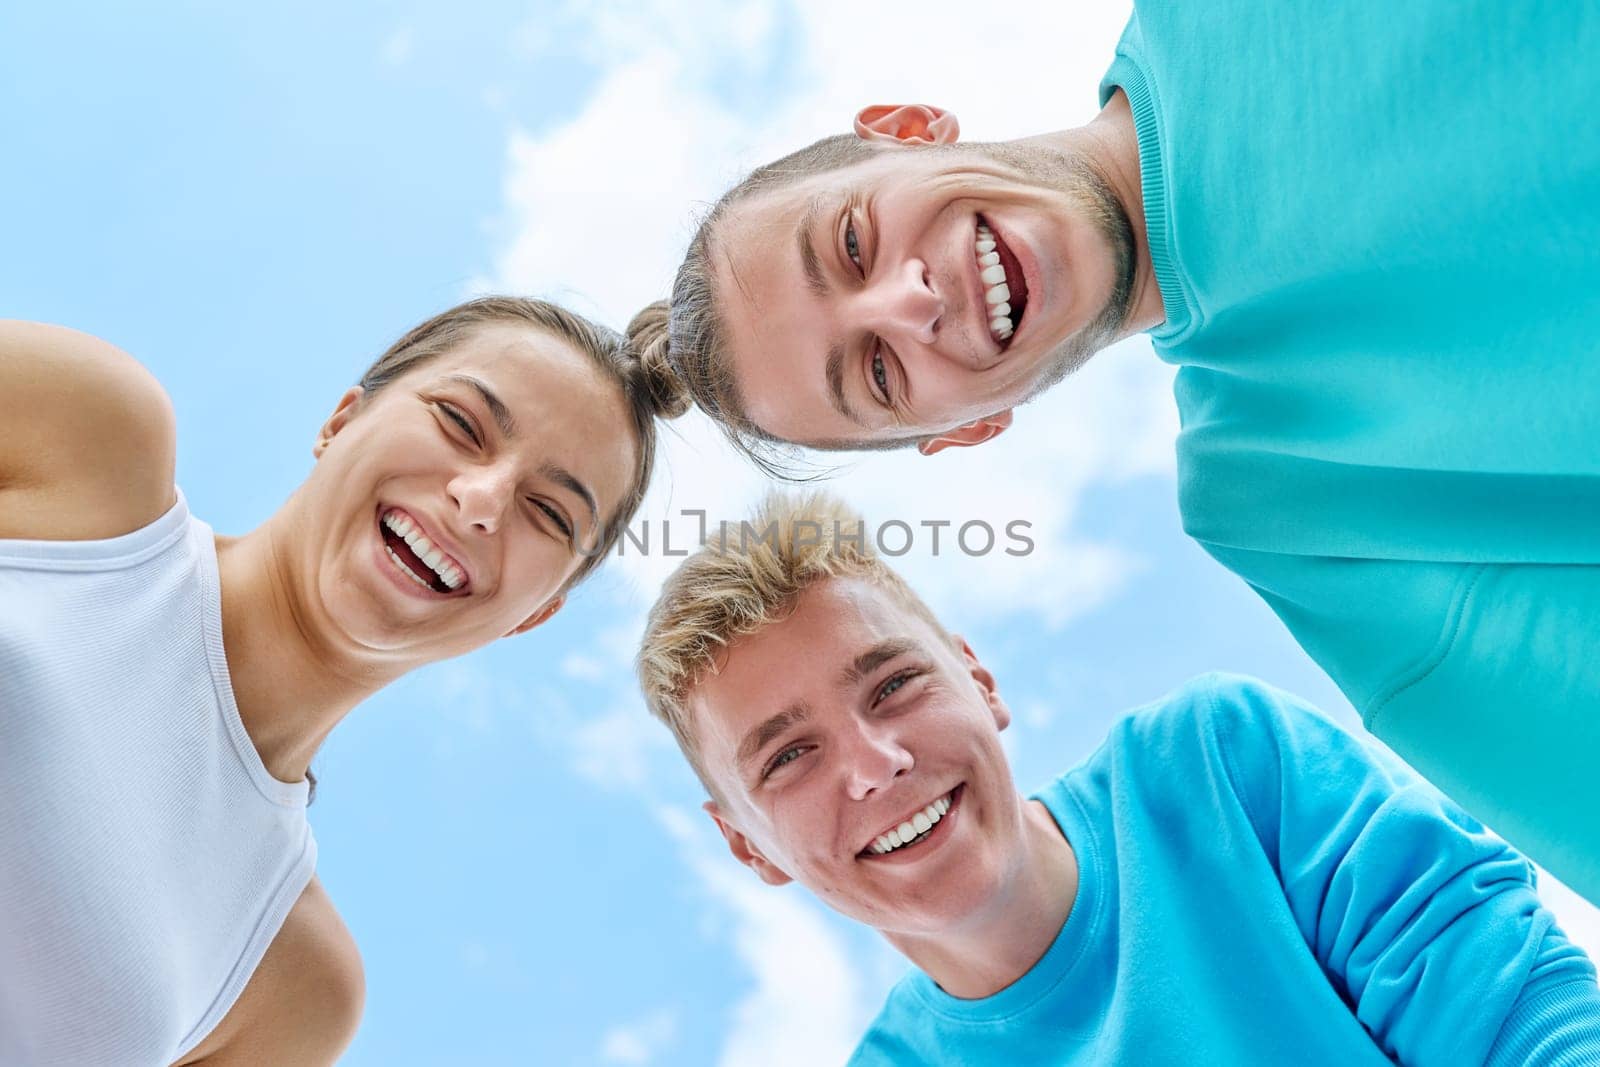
x,y
346,409
539,617
907,124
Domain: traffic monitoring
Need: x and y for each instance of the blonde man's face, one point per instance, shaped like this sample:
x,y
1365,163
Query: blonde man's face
x,y
850,718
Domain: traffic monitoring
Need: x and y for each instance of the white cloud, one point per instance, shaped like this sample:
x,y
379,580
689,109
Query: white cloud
x,y
583,668
638,1042
619,748
598,209
806,1006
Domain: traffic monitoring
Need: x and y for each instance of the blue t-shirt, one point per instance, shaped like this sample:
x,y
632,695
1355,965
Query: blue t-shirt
x,y
1257,887
1376,231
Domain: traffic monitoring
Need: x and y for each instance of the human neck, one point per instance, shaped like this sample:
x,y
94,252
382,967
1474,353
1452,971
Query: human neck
x,y
1116,150
1110,143
1014,931
291,684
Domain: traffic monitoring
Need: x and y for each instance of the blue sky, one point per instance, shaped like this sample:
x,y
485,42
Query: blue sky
x,y
255,203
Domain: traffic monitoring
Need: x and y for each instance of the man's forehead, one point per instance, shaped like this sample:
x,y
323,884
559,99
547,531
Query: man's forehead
x,y
778,208
808,649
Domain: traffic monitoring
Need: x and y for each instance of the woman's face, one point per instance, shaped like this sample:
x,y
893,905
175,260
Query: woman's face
x,y
449,508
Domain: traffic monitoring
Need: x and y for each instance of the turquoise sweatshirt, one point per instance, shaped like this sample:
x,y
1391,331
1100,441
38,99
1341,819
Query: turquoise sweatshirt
x,y
1376,231
1257,887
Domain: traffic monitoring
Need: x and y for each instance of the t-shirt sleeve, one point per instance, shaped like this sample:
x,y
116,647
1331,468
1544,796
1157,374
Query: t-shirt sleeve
x,y
1425,923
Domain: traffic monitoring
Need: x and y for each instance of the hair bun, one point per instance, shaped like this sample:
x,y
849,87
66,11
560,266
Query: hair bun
x,y
648,339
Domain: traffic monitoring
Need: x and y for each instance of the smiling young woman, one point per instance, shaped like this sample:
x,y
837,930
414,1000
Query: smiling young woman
x,y
165,688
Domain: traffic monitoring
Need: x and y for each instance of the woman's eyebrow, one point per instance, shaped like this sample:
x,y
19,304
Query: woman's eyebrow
x,y
497,407
565,478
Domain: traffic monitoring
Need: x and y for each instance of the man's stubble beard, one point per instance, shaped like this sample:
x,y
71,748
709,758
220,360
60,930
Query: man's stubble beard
x,y
1091,193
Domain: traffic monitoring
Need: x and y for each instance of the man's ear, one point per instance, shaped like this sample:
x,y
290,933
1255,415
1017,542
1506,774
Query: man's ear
x,y
539,616
907,124
984,679
346,409
743,851
973,433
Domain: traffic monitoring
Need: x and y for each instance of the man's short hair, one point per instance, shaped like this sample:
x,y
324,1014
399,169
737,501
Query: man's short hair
x,y
747,579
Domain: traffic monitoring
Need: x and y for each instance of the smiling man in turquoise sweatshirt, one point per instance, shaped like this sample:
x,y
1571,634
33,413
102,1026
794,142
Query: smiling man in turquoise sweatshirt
x,y
1229,879
1367,234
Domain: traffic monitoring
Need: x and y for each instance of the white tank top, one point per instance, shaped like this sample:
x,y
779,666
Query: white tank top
x,y
147,858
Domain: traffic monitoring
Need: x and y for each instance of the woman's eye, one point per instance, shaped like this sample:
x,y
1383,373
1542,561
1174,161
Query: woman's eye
x,y
454,414
852,245
880,377
555,517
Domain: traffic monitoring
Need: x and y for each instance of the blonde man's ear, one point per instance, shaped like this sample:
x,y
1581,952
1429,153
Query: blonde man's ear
x,y
743,850
984,679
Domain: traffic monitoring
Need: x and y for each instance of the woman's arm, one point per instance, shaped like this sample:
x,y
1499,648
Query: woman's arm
x,y
87,441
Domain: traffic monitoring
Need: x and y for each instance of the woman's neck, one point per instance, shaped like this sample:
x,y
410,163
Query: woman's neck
x,y
292,682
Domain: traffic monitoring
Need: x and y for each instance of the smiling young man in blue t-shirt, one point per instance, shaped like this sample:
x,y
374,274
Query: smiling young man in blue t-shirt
x,y
1228,879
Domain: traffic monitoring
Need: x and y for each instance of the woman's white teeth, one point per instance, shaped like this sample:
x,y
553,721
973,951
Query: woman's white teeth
x,y
913,828
451,575
992,274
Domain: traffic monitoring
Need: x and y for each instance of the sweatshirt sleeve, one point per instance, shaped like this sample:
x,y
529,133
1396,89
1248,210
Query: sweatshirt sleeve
x,y
1427,925
1482,677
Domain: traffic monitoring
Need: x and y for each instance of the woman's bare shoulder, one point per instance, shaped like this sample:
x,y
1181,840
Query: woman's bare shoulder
x,y
88,442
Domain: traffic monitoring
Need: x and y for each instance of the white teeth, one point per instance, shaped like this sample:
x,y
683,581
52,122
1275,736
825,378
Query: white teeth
x,y
992,274
415,577
906,832
451,575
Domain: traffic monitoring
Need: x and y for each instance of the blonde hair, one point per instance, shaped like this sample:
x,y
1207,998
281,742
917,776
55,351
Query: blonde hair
x,y
735,586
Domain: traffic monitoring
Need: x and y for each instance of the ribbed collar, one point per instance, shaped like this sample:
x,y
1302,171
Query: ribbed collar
x,y
1128,74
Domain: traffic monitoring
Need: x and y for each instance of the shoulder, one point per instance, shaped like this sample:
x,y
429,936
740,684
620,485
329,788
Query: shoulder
x,y
1216,707
1225,734
88,445
305,1000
